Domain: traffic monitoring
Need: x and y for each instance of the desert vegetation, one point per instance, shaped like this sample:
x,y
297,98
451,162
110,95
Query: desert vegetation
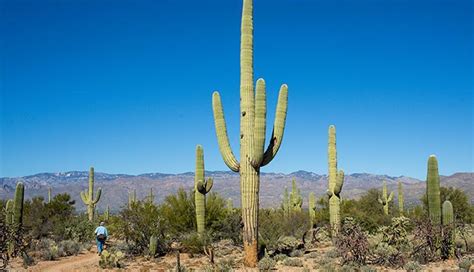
x,y
199,230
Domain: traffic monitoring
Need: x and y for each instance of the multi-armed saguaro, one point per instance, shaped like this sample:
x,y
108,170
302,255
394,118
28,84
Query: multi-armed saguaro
x,y
335,182
201,188
295,198
400,198
252,135
88,198
433,191
384,199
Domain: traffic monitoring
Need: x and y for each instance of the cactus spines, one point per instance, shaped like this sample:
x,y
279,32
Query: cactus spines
x,y
252,135
400,198
17,218
132,198
201,188
295,197
335,183
153,245
384,199
9,212
448,227
433,191
312,209
88,198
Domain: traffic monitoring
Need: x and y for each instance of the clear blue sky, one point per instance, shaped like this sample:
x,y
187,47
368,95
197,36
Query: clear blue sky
x,y
126,85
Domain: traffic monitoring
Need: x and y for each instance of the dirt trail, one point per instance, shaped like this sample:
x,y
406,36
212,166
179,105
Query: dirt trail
x,y
86,261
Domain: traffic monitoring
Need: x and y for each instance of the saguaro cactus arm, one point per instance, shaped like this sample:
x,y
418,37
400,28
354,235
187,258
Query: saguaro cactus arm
x,y
278,126
339,182
204,187
260,125
221,132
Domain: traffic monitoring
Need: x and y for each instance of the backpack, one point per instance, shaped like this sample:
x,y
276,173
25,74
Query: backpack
x,y
101,237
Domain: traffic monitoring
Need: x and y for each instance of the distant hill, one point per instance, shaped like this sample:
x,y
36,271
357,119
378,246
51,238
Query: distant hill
x,y
116,186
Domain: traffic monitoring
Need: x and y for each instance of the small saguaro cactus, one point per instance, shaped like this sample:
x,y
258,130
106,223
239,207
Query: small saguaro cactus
x,y
201,188
433,191
88,198
295,197
312,208
49,194
448,228
132,198
384,199
286,204
153,245
335,182
107,213
400,198
253,156
151,196
9,212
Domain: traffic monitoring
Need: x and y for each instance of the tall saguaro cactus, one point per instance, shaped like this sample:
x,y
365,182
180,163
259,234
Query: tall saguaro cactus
x,y
433,191
400,198
384,199
335,182
312,208
132,198
286,204
252,135
88,198
201,188
49,195
18,205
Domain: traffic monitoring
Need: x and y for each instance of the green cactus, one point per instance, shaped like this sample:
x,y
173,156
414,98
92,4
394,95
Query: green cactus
x,y
335,183
448,228
201,188
17,219
384,199
312,209
107,213
132,198
433,191
153,245
49,195
252,135
9,212
88,198
286,205
295,197
151,196
400,198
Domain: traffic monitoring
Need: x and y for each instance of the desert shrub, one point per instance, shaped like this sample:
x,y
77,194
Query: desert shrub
x,y
465,237
226,226
112,259
297,253
79,229
394,247
425,241
293,262
194,242
412,267
266,264
333,253
287,245
352,243
178,213
274,225
13,243
138,223
280,257
313,255
462,209
465,264
47,249
367,268
69,248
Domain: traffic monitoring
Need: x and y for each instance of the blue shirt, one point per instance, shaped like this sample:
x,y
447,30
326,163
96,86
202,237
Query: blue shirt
x,y
101,230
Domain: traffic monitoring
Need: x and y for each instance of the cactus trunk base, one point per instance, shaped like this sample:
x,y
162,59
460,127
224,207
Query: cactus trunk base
x,y
251,253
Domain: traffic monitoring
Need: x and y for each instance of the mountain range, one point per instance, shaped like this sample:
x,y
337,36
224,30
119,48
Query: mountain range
x,y
115,187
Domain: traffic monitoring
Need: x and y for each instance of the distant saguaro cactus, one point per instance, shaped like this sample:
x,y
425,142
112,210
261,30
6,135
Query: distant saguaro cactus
x,y
286,203
252,135
201,187
312,208
132,198
400,198
49,194
107,213
295,197
433,191
384,199
88,198
151,196
335,182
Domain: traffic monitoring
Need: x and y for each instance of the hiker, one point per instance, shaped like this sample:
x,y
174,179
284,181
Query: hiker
x,y
101,235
